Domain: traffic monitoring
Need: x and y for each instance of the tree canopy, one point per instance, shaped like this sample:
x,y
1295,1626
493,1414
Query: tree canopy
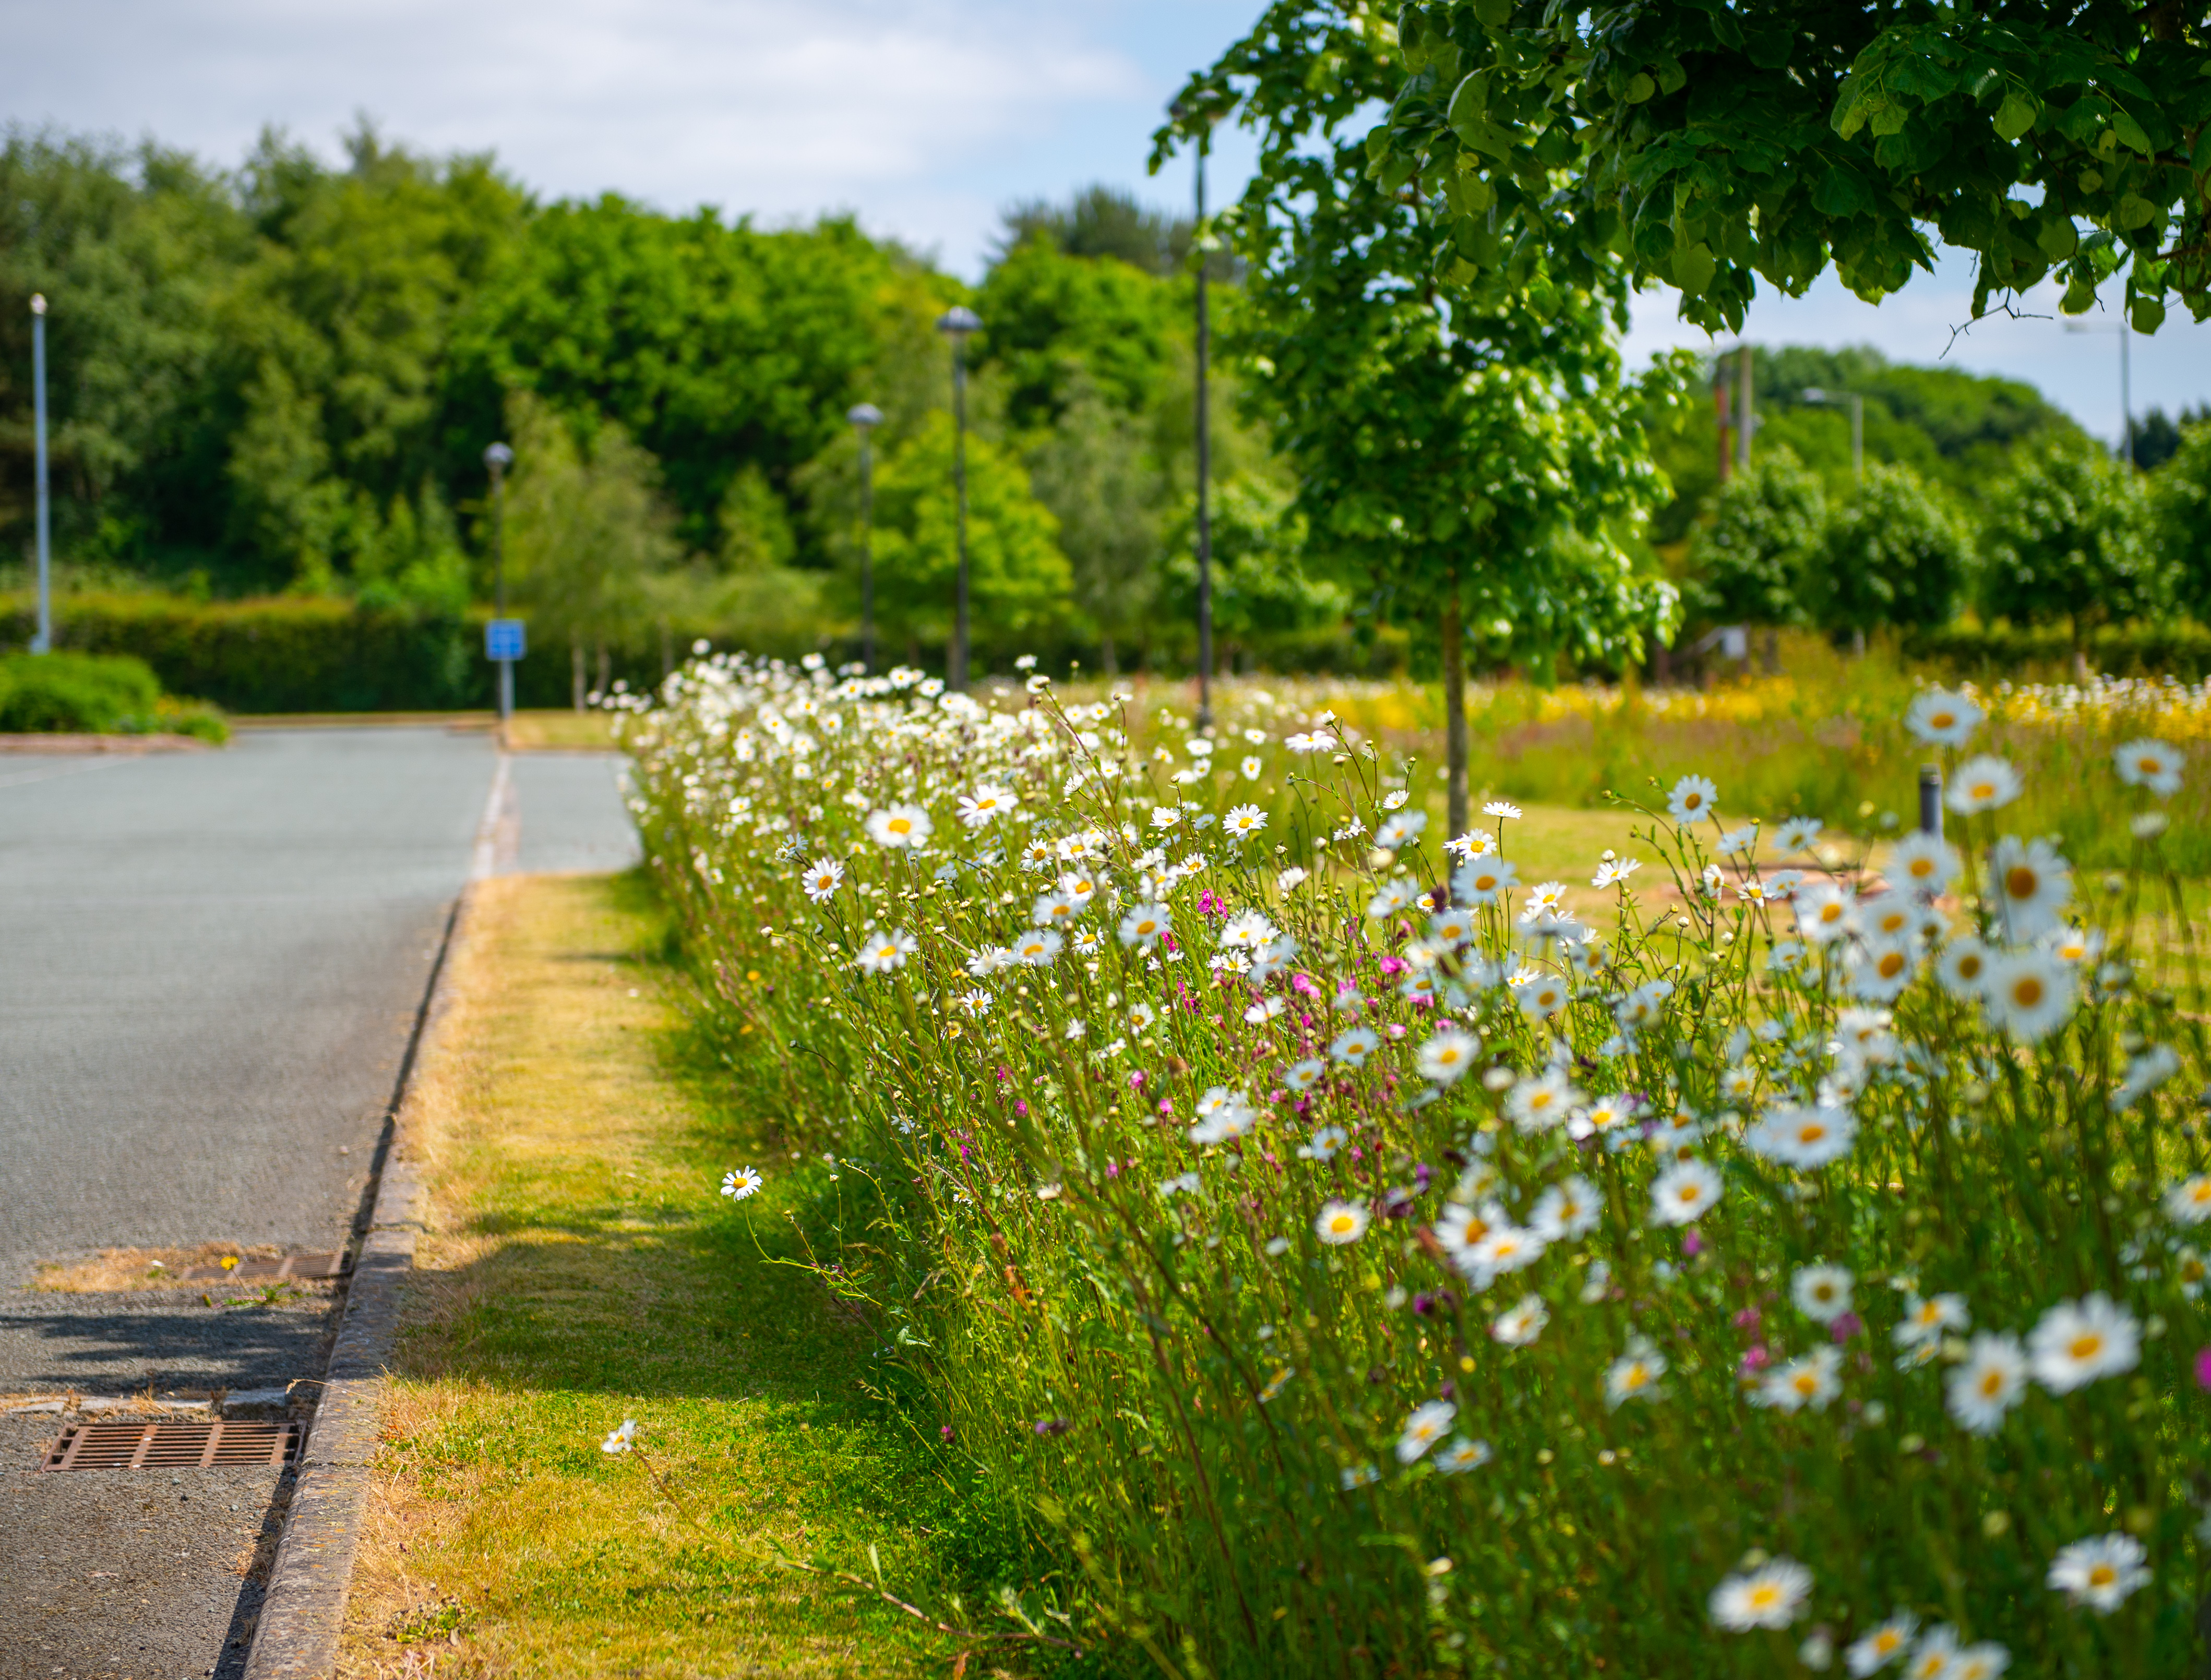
x,y
1703,145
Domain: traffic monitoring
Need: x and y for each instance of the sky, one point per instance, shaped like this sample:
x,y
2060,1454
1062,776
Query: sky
x,y
923,117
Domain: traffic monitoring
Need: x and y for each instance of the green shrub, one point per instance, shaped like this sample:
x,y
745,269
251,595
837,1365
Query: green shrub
x,y
64,693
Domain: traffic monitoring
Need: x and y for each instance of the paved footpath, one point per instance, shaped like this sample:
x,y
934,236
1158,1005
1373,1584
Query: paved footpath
x,y
209,966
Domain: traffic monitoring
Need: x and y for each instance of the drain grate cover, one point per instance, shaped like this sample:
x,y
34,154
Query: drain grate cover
x,y
174,1446
291,1266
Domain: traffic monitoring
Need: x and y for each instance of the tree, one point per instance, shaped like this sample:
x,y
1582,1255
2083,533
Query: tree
x,y
1094,472
1261,587
1017,578
2157,437
2180,508
2068,537
1050,319
588,534
1100,221
1753,562
1896,554
1711,143
1479,459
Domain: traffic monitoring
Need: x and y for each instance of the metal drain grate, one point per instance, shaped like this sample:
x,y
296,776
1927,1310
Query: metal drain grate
x,y
291,1266
174,1446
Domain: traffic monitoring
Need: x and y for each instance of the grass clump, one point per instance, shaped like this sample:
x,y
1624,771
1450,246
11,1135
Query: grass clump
x,y
1358,1262
582,1270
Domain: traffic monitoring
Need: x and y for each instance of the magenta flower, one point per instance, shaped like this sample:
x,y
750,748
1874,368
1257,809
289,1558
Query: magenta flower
x,y
1693,1241
1844,1325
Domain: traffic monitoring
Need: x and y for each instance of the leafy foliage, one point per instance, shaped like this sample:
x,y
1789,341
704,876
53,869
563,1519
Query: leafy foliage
x,y
1706,145
1895,554
2181,508
1757,556
2068,537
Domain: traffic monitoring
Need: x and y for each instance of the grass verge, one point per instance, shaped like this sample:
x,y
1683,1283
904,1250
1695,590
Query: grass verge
x,y
580,1268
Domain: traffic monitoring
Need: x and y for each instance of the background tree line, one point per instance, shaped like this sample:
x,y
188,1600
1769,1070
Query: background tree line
x,y
279,379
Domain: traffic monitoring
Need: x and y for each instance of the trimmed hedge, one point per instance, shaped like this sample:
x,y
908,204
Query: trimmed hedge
x,y
2021,652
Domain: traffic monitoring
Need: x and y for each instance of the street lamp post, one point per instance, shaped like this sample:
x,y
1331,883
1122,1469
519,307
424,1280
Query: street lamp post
x,y
956,323
865,418
2126,395
499,457
1204,447
43,642
1814,394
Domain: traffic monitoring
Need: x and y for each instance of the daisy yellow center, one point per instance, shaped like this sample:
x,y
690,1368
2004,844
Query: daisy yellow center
x,y
1485,883
900,826
1831,912
1804,1382
1764,1595
1811,1134
2102,1574
1982,790
1636,1377
1944,720
1694,801
1890,964
1992,1384
1969,968
1921,868
2086,1346
2026,992
1688,1193
1343,1222
2147,766
1886,1641
2022,882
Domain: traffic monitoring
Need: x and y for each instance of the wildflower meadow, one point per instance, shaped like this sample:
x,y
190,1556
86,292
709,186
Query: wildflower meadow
x,y
1775,1249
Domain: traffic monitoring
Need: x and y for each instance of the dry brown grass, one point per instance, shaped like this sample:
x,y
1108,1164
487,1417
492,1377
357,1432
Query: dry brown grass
x,y
117,1271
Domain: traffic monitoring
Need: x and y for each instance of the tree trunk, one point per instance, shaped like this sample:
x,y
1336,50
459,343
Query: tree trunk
x,y
576,672
1662,664
606,670
1773,652
1113,661
1454,638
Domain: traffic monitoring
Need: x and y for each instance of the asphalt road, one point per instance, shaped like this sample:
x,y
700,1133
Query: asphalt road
x,y
209,966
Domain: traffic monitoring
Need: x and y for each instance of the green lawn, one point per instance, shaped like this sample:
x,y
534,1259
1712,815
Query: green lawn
x,y
583,1269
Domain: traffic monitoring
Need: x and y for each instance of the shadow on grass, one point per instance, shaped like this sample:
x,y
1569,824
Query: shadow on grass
x,y
596,1274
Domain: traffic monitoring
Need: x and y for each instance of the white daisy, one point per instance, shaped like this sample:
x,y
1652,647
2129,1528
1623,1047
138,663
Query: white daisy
x,y
900,827
1987,1383
1815,1381
2149,764
1963,967
1523,1323
620,1440
1984,784
822,877
1400,829
987,804
1693,798
1498,807
2101,1572
1392,897
1483,881
1446,1056
741,1183
1941,718
1565,1211
1770,1596
1144,925
1823,912
2077,1342
1341,1222
1304,1075
1243,819
1424,1428
1797,834
1451,927
2028,993
1684,1192
1544,995
1822,1293
1325,1142
1353,1047
1634,1375
1881,1645
2144,1073
1463,1455
2188,1203
1037,947
883,951
1543,1102
1930,1320
1924,863
2032,884
1247,930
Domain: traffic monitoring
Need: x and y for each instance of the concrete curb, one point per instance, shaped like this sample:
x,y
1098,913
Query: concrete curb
x,y
303,1612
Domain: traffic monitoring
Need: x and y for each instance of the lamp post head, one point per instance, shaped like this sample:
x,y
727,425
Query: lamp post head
x,y
38,303
864,415
958,321
499,457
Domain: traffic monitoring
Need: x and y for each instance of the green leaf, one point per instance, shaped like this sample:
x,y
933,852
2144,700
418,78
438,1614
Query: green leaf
x,y
1639,89
2133,211
2148,314
2130,133
2058,237
2015,116
2080,297
1693,268
1492,14
1891,117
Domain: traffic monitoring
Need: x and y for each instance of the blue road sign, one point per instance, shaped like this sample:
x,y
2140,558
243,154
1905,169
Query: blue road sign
x,y
503,639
